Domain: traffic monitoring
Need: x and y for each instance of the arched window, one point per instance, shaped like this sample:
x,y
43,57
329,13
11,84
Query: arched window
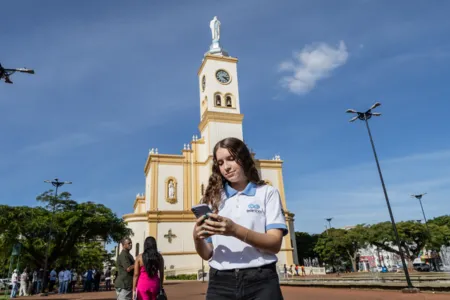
x,y
137,249
218,100
202,189
228,101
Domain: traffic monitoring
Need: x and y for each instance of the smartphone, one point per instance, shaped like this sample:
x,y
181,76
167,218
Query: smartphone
x,y
201,210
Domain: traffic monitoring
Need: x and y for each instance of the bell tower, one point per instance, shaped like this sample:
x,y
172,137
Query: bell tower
x,y
220,113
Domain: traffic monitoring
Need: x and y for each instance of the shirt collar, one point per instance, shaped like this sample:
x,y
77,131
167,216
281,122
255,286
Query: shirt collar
x,y
250,190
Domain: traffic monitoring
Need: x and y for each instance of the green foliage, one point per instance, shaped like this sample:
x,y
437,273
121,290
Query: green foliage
x,y
441,221
340,246
305,245
74,228
413,237
326,246
182,277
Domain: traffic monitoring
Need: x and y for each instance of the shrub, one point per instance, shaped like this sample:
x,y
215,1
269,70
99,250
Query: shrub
x,y
182,277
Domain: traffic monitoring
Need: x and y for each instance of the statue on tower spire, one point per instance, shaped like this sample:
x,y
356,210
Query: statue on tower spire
x,y
215,29
215,47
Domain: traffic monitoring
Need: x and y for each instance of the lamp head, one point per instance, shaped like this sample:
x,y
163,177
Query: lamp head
x,y
375,105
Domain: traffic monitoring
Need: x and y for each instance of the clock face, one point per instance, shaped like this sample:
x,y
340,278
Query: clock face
x,y
223,76
203,83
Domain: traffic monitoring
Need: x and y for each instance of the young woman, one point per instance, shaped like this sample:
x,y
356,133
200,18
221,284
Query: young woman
x,y
244,233
146,280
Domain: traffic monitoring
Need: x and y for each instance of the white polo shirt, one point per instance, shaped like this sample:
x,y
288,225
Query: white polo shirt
x,y
258,208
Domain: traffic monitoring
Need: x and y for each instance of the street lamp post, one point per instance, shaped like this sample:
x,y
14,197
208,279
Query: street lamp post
x,y
419,197
329,221
365,116
56,183
332,241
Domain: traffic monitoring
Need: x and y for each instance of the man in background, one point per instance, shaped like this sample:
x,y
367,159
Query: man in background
x,y
125,263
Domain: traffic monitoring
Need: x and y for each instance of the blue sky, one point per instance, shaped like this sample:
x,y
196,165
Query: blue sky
x,y
114,79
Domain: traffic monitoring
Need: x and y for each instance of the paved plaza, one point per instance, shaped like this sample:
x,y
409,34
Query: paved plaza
x,y
196,290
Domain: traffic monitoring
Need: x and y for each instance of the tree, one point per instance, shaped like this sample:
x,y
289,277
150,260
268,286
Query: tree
x,y
440,236
72,224
413,237
328,249
340,246
305,245
441,221
352,241
89,255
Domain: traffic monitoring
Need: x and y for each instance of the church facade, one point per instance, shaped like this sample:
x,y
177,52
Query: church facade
x,y
176,182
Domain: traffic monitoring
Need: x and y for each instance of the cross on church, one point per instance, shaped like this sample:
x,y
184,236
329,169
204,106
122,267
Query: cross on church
x,y
170,236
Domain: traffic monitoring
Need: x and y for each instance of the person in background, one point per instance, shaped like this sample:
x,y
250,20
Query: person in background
x,y
97,277
296,269
125,264
23,283
14,282
108,279
30,283
35,282
52,282
74,281
61,281
148,272
40,279
67,279
89,276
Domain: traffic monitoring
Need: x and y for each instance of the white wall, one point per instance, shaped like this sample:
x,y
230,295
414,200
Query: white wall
x,y
218,131
165,171
203,175
271,175
140,230
148,188
204,151
191,261
183,242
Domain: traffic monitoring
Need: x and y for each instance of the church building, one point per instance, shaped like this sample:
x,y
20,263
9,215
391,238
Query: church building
x,y
176,182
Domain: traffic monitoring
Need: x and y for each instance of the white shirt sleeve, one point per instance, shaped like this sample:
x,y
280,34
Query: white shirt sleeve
x,y
274,211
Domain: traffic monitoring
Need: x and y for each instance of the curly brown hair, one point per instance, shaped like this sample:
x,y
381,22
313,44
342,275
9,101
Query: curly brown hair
x,y
242,155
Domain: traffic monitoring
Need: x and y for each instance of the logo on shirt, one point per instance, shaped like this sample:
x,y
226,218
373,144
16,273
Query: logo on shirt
x,y
254,208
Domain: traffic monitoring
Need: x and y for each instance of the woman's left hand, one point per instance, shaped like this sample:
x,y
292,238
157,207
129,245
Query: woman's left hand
x,y
216,224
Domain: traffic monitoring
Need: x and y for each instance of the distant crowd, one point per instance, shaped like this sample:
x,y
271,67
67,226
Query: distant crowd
x,y
64,280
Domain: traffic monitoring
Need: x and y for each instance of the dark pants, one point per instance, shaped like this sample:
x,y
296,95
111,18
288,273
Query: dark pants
x,y
244,284
108,284
87,286
51,285
96,285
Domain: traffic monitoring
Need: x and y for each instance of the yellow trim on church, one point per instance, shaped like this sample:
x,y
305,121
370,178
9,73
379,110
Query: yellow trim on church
x,y
216,57
213,116
163,159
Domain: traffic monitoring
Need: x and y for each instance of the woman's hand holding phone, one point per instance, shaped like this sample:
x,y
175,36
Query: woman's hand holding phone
x,y
202,230
199,232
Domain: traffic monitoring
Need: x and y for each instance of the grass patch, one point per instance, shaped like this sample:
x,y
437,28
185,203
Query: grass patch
x,y
182,277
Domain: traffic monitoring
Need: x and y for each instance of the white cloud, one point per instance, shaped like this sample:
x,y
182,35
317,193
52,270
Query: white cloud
x,y
313,63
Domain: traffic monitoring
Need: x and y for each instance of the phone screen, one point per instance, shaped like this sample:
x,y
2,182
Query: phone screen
x,y
200,210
